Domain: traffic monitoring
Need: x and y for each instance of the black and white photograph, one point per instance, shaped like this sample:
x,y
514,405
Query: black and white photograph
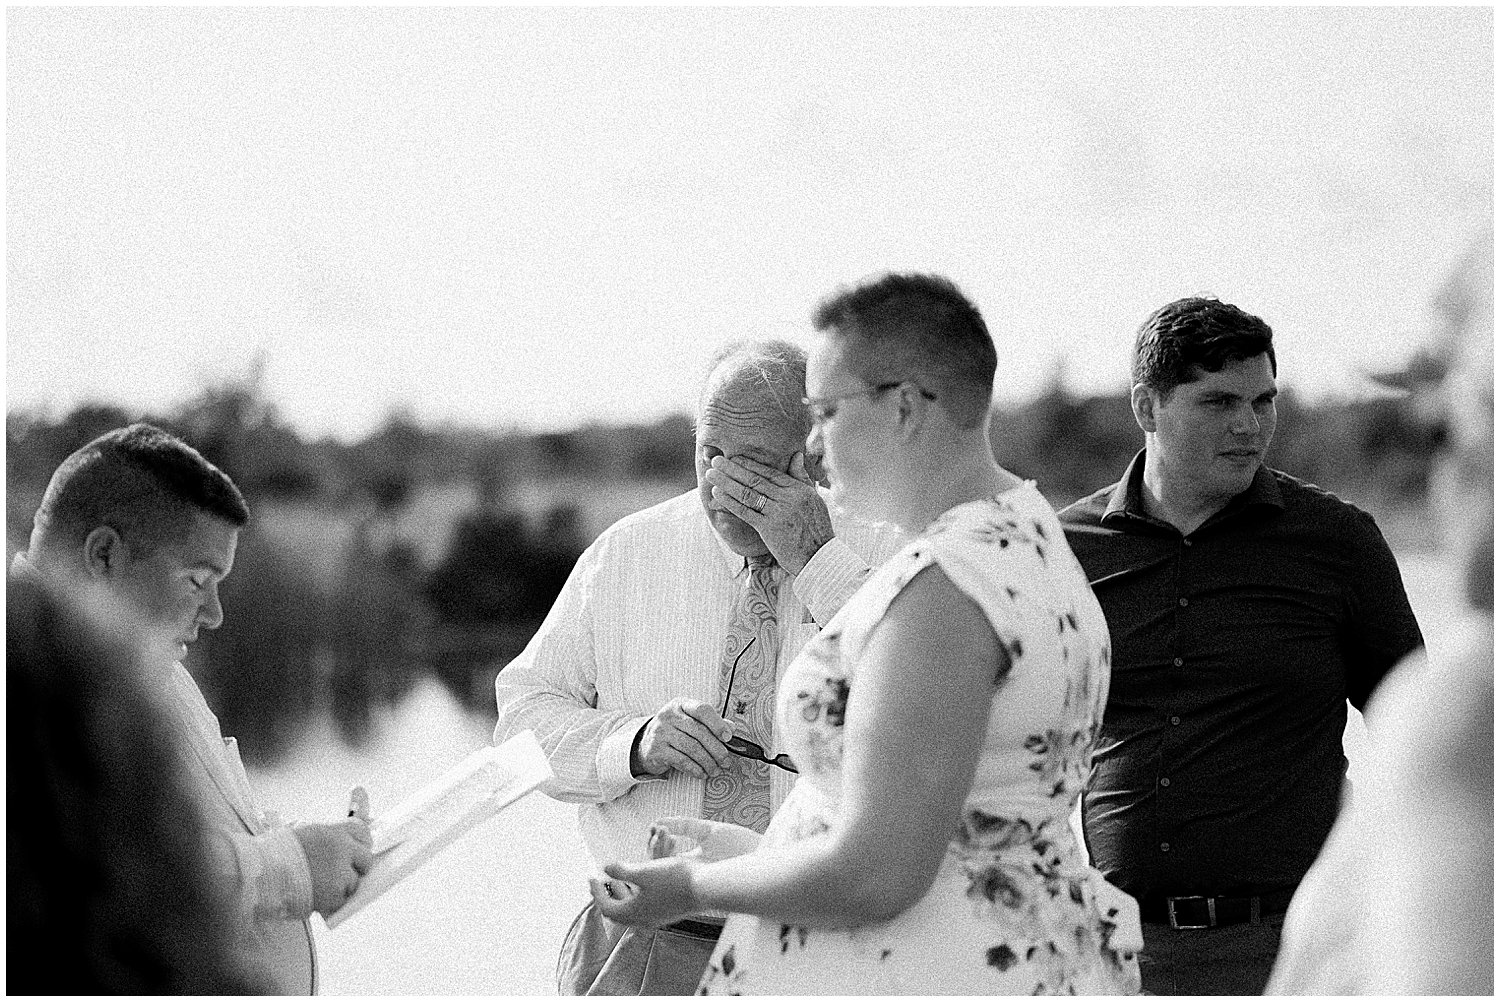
x,y
801,500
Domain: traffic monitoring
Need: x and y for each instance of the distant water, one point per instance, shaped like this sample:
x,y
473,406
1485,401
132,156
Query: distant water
x,y
484,917
487,915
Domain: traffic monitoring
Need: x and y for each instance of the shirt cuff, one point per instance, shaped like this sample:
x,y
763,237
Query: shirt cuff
x,y
288,878
614,759
833,574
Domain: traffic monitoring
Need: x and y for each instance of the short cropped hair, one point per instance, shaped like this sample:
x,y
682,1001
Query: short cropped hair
x,y
918,327
140,481
771,371
1196,333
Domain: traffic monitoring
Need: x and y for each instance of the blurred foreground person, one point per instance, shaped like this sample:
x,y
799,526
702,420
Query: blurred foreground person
x,y
108,886
1245,608
650,684
142,516
942,722
1401,900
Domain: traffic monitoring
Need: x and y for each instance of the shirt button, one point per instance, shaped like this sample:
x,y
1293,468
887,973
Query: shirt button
x,y
1182,601
1165,781
1166,847
1177,662
1176,720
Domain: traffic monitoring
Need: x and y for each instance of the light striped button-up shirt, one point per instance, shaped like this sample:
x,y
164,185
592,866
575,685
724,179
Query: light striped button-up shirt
x,y
640,622
256,856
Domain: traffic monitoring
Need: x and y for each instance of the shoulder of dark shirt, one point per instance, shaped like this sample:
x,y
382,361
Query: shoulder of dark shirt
x,y
1325,510
1086,512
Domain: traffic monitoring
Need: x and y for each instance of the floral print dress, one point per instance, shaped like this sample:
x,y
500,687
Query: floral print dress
x,y
1014,908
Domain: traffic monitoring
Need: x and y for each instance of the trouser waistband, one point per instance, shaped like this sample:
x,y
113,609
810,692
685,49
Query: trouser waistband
x,y
1199,912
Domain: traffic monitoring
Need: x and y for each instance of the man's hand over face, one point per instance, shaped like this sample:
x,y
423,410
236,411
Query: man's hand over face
x,y
338,854
786,510
687,735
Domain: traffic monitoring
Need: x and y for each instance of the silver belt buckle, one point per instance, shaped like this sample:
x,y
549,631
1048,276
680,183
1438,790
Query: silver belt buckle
x,y
1172,914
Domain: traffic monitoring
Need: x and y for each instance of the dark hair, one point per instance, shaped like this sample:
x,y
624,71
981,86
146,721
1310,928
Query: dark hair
x,y
108,883
918,327
140,481
1196,333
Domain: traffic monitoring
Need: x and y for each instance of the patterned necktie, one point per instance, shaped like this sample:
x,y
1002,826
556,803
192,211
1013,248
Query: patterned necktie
x,y
741,794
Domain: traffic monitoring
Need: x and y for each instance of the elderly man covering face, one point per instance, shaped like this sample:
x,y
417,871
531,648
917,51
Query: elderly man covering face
x,y
651,683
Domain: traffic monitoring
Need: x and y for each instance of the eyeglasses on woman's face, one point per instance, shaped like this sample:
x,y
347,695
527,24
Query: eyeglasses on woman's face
x,y
821,409
744,747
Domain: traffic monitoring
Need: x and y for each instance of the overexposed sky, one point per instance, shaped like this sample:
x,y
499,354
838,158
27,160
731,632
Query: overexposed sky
x,y
541,217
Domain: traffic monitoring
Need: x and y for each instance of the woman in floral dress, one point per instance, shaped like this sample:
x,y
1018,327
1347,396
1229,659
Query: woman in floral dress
x,y
942,722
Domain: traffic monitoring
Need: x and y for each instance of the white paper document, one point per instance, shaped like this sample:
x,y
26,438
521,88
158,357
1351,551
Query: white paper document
x,y
434,817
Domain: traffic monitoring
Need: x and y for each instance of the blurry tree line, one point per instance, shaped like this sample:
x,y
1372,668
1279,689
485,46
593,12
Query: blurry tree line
x,y
358,574
1373,452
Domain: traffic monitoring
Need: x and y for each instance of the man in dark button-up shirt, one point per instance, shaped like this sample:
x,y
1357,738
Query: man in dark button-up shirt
x,y
1244,607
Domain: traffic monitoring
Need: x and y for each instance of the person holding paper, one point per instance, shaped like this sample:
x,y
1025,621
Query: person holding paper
x,y
140,515
651,681
942,721
426,822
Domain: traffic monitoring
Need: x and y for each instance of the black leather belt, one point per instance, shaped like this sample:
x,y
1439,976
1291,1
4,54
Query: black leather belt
x,y
697,928
1210,913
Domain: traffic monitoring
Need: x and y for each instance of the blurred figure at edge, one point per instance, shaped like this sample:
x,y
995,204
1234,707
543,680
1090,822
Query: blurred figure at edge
x,y
1401,900
108,886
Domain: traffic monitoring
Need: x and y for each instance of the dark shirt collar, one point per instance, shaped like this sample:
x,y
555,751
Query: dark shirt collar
x,y
1126,503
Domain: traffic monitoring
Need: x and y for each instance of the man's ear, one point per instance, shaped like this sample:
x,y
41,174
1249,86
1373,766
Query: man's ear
x,y
911,411
1143,404
103,549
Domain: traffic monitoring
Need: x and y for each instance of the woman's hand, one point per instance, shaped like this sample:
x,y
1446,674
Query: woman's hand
x,y
656,893
708,841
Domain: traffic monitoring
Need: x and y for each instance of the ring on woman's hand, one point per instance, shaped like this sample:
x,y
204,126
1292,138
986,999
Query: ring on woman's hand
x,y
760,503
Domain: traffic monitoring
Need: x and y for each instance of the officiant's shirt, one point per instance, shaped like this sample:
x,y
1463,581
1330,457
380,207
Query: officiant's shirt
x,y
258,859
